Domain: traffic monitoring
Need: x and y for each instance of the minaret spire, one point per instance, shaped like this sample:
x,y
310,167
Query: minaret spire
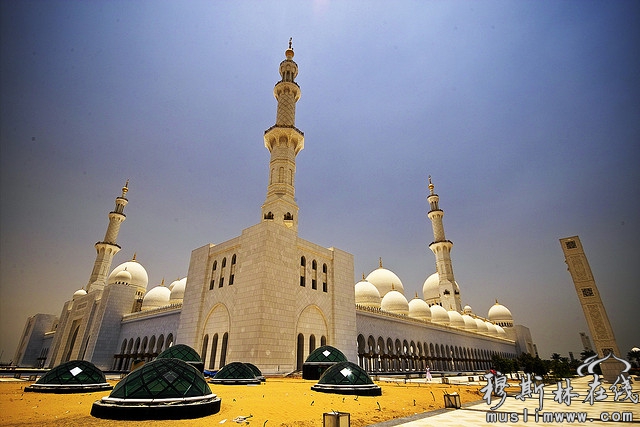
x,y
107,248
284,141
441,248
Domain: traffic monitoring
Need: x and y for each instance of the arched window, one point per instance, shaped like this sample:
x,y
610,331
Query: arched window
x,y
205,347
300,352
222,267
312,343
223,350
303,268
314,274
232,273
214,351
213,275
324,278
323,340
169,340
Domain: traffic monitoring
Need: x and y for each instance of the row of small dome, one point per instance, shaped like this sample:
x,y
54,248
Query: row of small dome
x,y
383,289
132,273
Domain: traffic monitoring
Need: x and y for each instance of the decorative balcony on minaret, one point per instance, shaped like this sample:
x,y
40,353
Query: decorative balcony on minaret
x,y
284,141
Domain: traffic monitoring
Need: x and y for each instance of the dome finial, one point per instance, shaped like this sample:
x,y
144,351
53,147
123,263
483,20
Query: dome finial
x,y
289,52
125,188
380,262
134,256
362,276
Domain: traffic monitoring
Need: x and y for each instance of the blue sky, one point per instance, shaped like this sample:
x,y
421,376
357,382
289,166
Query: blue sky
x,y
526,115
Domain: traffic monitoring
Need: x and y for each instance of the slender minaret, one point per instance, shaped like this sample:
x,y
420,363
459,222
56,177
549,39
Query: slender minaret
x,y
107,248
592,306
441,248
284,141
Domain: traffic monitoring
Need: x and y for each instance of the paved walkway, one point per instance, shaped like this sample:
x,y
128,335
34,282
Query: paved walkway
x,y
515,412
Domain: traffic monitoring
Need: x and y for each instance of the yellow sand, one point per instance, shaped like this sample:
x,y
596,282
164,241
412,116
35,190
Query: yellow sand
x,y
278,402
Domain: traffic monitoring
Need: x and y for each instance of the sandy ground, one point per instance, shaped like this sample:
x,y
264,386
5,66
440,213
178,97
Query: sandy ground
x,y
278,402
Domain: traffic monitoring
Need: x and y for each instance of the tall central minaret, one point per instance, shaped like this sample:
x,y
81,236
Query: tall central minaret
x,y
441,248
107,248
284,141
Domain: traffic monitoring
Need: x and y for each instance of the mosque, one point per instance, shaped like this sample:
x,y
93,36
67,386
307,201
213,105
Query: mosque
x,y
269,297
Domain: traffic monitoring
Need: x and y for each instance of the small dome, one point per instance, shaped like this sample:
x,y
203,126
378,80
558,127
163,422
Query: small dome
x,y
347,378
139,276
482,326
158,296
500,315
430,288
182,352
418,309
367,294
467,309
455,319
75,376
177,290
326,354
491,328
439,314
469,322
79,293
395,302
235,373
384,280
501,331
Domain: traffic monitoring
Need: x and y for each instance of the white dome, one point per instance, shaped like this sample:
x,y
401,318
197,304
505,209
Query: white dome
x,y
430,288
123,277
177,290
455,319
395,302
418,309
500,314
482,326
384,280
158,296
367,294
139,276
439,314
501,332
491,328
79,293
469,322
467,309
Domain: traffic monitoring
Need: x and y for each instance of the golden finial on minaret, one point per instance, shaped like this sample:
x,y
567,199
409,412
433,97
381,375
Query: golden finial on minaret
x,y
431,186
289,52
125,189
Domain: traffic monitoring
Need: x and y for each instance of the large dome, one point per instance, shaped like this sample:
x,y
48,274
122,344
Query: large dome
x,y
418,309
384,280
395,302
500,315
158,296
367,294
139,276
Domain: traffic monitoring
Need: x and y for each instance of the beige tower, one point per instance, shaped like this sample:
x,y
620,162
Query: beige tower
x,y
594,311
107,248
284,141
441,248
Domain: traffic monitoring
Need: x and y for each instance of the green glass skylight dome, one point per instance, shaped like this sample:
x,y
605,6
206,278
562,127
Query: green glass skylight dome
x,y
321,359
184,353
347,378
256,371
235,373
75,376
161,389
